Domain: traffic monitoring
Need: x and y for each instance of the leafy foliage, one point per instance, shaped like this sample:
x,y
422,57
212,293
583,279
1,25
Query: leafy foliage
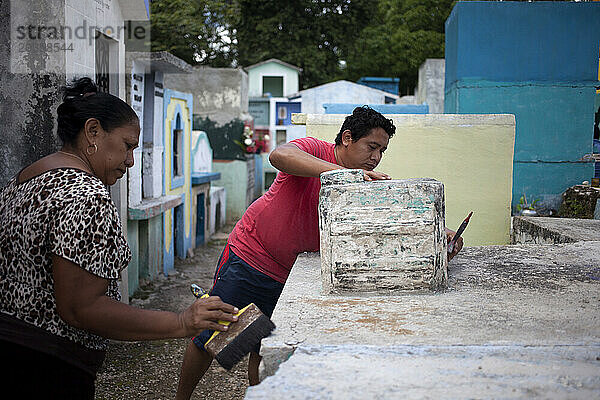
x,y
525,205
404,34
328,39
312,35
198,31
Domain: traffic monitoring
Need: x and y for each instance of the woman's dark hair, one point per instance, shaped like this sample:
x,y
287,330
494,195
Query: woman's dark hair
x,y
82,101
362,120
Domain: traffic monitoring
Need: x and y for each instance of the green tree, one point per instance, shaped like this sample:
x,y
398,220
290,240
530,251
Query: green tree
x,y
403,34
328,39
197,31
311,34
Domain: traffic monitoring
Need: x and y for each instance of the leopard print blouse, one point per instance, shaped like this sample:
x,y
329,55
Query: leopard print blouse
x,y
66,212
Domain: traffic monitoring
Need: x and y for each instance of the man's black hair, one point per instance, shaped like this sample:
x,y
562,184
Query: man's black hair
x,y
362,120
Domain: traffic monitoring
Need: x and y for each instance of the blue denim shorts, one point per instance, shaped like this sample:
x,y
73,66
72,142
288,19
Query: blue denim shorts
x,y
239,284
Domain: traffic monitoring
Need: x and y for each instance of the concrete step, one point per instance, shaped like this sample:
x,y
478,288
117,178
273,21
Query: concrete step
x,y
554,230
435,372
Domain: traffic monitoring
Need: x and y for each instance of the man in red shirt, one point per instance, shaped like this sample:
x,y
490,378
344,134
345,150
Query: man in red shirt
x,y
283,223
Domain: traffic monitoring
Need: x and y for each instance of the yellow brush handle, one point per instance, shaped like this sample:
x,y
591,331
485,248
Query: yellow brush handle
x,y
201,294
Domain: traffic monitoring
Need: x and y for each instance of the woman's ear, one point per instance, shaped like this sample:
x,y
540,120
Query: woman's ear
x,y
92,129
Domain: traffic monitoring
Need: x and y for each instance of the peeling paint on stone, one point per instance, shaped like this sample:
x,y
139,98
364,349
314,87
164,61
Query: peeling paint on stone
x,y
381,236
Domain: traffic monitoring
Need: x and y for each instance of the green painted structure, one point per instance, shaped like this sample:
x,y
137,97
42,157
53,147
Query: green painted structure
x,y
243,183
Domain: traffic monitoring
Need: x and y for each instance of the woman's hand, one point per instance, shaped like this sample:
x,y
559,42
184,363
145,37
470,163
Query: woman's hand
x,y
207,313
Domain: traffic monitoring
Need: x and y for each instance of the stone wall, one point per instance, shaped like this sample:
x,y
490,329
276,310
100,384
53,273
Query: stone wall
x,y
471,154
29,101
431,85
382,236
220,94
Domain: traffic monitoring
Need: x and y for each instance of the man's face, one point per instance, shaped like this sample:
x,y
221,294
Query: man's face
x,y
367,151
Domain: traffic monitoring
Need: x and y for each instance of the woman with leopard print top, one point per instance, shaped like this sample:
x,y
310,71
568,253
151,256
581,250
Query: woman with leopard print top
x,y
62,251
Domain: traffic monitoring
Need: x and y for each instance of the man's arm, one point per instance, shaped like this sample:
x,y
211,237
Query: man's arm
x,y
457,246
290,159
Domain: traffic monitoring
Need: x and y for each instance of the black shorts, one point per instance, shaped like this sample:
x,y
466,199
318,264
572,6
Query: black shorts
x,y
239,284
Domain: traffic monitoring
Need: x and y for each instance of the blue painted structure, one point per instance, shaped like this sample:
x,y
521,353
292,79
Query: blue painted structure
x,y
389,85
147,3
538,61
346,108
199,178
289,107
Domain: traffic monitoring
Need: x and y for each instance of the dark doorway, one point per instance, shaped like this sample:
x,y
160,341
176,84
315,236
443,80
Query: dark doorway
x,y
200,219
178,233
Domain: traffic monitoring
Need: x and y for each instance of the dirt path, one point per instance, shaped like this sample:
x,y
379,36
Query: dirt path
x,y
150,370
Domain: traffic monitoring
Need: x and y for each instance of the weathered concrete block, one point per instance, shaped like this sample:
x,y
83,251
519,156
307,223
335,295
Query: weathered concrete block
x,y
381,236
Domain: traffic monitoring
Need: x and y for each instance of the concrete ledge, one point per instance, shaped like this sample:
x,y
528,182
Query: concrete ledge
x,y
435,372
554,230
348,108
412,119
149,208
516,296
199,178
161,61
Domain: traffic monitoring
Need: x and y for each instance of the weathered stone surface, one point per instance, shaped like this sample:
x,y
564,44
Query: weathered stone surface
x,y
381,236
517,296
435,372
516,321
549,230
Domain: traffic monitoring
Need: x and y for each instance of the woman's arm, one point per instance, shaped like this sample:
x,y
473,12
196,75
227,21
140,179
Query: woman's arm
x,y
82,303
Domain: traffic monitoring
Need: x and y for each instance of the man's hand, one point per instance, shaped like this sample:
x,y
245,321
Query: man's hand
x,y
374,175
457,246
206,313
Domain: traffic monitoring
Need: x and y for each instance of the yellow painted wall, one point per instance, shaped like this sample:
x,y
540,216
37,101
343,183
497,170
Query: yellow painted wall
x,y
187,162
471,154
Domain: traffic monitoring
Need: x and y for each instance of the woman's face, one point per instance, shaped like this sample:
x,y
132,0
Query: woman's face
x,y
115,152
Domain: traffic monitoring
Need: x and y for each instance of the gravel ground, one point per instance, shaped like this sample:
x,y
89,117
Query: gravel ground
x,y
150,370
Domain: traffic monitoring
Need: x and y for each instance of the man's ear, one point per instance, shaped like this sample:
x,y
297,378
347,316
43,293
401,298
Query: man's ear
x,y
346,137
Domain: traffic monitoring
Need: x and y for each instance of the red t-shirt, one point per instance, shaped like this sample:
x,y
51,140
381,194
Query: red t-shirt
x,y
284,222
